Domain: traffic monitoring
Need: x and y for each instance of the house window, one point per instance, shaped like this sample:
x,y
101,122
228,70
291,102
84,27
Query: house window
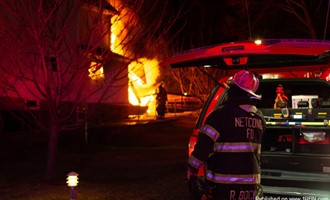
x,y
96,71
52,63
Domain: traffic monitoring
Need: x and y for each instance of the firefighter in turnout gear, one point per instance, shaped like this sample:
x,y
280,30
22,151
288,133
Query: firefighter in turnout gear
x,y
229,144
161,102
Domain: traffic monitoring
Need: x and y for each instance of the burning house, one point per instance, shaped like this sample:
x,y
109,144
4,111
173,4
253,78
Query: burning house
x,y
69,62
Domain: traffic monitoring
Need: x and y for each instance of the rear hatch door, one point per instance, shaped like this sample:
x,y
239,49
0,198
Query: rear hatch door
x,y
259,56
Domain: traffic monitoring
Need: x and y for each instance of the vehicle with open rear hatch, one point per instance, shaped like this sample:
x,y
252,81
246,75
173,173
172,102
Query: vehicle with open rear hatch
x,y
295,87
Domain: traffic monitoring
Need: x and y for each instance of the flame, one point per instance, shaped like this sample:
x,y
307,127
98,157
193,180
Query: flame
x,y
143,72
142,89
95,71
117,28
120,26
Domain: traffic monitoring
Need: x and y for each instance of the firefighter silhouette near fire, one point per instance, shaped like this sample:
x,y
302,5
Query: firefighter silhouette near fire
x,y
161,102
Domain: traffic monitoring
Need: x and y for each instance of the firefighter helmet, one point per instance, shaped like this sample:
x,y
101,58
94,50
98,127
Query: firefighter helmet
x,y
248,82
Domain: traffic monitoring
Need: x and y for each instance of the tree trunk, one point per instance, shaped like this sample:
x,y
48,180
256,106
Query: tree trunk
x,y
52,151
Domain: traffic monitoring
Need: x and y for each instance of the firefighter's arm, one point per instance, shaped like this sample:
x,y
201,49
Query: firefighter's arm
x,y
202,150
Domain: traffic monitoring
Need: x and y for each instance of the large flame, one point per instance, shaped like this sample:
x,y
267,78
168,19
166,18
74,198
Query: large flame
x,y
142,73
120,26
142,76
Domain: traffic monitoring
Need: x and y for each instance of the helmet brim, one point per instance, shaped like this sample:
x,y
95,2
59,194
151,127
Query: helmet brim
x,y
253,95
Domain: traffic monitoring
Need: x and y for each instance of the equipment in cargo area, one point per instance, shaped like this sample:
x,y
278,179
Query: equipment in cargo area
x,y
302,128
303,101
306,110
297,117
320,103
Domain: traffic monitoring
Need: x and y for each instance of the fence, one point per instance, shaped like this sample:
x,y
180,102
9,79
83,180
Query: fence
x,y
181,103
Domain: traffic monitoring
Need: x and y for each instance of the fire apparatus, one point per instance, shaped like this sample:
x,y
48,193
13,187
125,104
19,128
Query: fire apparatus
x,y
295,86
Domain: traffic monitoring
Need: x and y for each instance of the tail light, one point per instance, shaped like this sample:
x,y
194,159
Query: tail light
x,y
191,146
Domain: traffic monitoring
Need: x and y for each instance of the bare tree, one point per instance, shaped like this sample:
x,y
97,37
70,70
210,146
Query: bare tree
x,y
307,13
276,19
197,81
54,49
47,59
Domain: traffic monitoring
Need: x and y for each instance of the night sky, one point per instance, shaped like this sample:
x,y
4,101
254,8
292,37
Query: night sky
x,y
207,22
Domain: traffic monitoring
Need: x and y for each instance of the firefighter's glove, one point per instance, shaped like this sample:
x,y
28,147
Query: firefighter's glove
x,y
192,180
193,183
194,186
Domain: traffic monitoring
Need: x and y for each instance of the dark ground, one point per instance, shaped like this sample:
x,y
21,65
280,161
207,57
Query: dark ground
x,y
121,162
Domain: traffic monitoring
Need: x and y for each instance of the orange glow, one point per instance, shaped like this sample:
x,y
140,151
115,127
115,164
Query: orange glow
x,y
142,86
96,71
120,26
142,73
117,29
132,97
